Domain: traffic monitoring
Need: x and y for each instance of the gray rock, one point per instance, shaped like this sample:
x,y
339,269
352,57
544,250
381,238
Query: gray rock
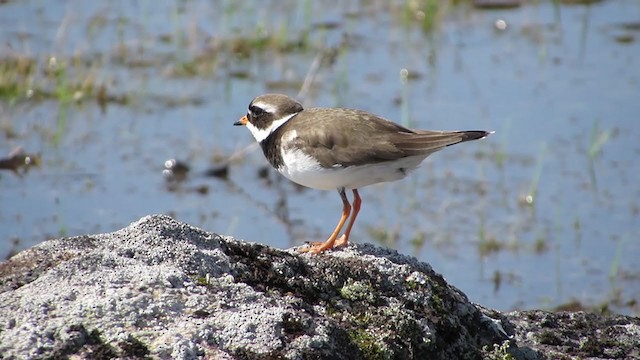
x,y
163,289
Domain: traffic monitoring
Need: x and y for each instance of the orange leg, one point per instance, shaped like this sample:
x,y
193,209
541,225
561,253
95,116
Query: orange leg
x,y
317,248
344,239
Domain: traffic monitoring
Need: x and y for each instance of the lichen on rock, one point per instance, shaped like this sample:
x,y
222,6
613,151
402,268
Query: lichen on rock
x,y
163,289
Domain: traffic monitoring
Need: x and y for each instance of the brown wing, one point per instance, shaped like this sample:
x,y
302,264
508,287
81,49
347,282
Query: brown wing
x,y
357,137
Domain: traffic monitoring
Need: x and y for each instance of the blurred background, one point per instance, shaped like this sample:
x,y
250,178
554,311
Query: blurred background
x,y
113,110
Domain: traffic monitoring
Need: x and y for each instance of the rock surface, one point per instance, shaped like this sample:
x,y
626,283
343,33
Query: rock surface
x,y
163,289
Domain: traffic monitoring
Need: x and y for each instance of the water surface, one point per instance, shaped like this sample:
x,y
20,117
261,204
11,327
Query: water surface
x,y
542,213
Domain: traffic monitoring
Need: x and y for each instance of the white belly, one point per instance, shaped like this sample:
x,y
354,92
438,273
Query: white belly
x,y
304,170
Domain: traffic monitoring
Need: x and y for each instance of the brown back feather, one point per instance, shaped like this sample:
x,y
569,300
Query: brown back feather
x,y
359,138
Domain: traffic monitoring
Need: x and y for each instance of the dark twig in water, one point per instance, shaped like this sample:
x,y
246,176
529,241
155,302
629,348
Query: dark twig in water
x,y
18,160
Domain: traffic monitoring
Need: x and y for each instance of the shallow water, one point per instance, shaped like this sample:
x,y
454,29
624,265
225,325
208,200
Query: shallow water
x,y
560,86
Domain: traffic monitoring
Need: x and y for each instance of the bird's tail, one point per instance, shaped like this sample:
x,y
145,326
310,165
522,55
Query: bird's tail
x,y
424,142
469,135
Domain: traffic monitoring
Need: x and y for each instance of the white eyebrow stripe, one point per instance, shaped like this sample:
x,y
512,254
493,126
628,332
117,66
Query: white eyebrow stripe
x,y
266,107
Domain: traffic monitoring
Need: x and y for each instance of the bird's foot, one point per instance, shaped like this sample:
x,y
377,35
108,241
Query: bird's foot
x,y
341,242
316,247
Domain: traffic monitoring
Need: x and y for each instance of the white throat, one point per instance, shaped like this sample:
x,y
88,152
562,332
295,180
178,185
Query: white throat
x,y
261,134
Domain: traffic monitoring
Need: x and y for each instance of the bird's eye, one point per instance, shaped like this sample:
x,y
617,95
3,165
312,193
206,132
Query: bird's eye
x,y
256,111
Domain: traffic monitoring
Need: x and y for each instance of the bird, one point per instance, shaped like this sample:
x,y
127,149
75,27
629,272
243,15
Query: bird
x,y
340,148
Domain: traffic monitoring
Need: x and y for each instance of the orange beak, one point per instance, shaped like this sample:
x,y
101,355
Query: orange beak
x,y
243,121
